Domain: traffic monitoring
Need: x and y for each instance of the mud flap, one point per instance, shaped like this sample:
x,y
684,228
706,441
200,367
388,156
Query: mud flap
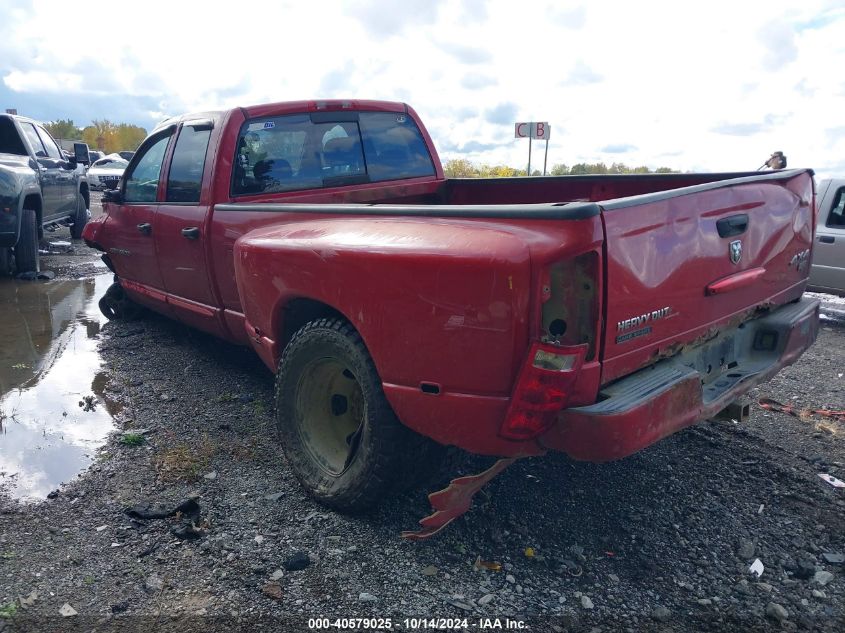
x,y
451,502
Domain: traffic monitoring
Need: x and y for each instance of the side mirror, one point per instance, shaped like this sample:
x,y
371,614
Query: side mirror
x,y
112,195
80,153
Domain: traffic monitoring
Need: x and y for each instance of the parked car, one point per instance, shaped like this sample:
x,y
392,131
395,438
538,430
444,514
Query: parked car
x,y
402,311
38,186
126,154
95,155
106,172
827,273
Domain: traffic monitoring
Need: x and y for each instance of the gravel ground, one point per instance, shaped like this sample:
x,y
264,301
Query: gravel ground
x,y
660,541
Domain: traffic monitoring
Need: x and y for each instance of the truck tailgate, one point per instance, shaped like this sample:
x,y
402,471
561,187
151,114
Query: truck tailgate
x,y
685,264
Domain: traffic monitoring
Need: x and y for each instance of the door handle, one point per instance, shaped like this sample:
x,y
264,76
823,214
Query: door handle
x,y
191,233
146,228
827,239
733,225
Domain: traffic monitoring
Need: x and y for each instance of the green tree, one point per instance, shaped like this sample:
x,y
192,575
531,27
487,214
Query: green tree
x,y
460,168
63,129
109,137
129,137
580,169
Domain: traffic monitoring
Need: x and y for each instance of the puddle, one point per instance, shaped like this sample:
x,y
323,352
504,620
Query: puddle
x,y
49,365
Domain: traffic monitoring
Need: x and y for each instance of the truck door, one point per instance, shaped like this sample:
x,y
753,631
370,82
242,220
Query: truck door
x,y
829,251
182,229
50,172
64,173
132,223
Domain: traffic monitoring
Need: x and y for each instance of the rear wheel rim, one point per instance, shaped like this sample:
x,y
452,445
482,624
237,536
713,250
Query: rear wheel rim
x,y
330,412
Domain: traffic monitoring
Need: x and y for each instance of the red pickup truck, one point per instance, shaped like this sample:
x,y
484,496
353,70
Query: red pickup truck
x,y
592,315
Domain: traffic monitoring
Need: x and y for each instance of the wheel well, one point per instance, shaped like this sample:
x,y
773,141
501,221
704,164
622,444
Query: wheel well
x,y
298,312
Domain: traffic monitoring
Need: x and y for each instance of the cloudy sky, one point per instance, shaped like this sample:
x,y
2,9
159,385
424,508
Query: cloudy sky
x,y
693,86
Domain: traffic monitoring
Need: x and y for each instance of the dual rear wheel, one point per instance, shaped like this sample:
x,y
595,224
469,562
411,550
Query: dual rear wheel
x,y
338,432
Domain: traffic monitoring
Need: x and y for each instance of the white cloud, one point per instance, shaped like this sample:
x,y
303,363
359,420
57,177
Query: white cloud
x,y
42,81
715,87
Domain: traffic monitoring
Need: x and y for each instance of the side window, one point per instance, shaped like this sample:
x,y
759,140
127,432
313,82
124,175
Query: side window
x,y
33,140
53,150
836,218
394,147
142,181
185,177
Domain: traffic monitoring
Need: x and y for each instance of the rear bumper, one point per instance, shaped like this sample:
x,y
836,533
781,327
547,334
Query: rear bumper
x,y
653,403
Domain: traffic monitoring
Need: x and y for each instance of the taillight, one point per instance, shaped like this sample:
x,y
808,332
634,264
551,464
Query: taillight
x,y
570,304
542,389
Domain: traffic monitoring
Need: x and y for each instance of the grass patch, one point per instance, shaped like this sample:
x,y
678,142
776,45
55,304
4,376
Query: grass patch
x,y
132,439
259,409
7,555
185,462
9,610
227,397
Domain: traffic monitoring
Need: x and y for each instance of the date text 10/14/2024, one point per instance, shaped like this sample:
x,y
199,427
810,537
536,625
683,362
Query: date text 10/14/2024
x,y
416,624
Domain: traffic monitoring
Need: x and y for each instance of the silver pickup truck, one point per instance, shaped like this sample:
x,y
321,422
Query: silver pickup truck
x,y
827,273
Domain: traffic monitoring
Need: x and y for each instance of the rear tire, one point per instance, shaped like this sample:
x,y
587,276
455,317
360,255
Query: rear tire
x,y
339,434
80,219
26,250
116,306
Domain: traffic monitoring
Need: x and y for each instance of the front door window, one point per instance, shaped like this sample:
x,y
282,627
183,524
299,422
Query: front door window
x,y
143,181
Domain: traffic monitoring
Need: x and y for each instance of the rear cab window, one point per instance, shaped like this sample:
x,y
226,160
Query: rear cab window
x,y
327,149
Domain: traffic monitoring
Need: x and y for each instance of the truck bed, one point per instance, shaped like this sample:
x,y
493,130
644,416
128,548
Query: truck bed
x,y
664,243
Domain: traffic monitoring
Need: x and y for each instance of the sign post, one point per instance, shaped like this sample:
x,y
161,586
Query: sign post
x,y
531,130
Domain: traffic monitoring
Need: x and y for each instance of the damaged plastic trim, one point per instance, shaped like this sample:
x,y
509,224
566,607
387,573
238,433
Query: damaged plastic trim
x,y
455,500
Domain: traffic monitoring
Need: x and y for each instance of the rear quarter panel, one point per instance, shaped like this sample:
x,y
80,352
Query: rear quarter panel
x,y
439,301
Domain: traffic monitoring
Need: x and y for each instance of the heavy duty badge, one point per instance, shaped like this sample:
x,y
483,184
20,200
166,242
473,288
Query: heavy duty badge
x,y
736,251
637,321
